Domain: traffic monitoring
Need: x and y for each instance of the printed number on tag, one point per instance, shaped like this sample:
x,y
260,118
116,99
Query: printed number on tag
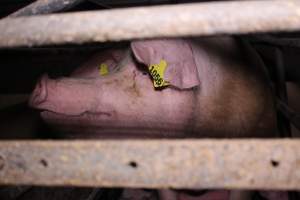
x,y
157,72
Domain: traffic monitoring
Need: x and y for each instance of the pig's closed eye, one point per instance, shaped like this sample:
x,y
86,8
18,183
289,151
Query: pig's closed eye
x,y
142,68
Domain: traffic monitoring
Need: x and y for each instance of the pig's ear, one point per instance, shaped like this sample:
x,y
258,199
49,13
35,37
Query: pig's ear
x,y
142,51
180,69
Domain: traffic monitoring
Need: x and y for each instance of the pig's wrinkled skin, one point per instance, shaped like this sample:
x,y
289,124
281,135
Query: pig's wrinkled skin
x,y
232,100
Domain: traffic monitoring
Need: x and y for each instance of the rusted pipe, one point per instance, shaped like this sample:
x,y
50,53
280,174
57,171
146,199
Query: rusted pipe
x,y
232,164
45,6
199,19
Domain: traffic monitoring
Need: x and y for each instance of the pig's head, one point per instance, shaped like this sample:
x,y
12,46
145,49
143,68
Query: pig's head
x,y
122,100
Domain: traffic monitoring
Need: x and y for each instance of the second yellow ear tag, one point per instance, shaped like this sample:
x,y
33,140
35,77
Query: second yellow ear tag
x,y
157,72
103,69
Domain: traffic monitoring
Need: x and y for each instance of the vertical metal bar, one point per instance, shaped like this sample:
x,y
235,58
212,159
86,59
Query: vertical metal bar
x,y
281,90
283,122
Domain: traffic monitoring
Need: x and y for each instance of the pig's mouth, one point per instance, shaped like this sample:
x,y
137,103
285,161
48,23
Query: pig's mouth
x,y
47,114
107,125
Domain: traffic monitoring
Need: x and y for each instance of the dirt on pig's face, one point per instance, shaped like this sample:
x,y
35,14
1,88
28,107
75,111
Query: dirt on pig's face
x,y
141,110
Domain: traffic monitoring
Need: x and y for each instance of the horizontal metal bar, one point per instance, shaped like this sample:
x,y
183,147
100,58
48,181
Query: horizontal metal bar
x,y
199,19
45,6
236,164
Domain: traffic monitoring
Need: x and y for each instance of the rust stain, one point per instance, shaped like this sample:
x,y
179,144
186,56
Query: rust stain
x,y
133,88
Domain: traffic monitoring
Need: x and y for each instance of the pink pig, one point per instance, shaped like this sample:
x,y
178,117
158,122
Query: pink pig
x,y
215,91
217,88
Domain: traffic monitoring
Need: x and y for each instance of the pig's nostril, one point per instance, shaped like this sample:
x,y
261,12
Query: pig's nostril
x,y
40,92
274,163
133,164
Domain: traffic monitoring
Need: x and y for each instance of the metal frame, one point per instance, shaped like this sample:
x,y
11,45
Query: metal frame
x,y
198,19
231,164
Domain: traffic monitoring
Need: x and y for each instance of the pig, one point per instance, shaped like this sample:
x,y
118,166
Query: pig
x,y
210,87
213,90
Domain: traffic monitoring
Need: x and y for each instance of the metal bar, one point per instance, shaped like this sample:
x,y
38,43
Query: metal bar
x,y
289,113
281,90
232,164
199,19
45,6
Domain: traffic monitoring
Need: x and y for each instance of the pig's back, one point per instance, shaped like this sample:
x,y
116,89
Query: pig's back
x,y
234,98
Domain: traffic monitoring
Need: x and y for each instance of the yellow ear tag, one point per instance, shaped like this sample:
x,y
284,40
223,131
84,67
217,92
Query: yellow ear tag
x,y
103,69
157,72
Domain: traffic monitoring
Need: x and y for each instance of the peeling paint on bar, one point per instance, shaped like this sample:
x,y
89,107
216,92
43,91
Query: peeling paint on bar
x,y
233,164
197,19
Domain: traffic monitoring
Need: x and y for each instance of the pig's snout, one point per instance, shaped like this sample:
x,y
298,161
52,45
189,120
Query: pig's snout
x,y
64,96
39,94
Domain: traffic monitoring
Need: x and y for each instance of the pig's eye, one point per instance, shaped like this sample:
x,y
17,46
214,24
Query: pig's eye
x,y
142,68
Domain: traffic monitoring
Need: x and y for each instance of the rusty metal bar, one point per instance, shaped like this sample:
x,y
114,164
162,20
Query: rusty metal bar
x,y
236,164
199,19
45,6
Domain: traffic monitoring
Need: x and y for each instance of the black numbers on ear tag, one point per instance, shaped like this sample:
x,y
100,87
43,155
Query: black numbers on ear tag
x,y
159,82
151,69
155,75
